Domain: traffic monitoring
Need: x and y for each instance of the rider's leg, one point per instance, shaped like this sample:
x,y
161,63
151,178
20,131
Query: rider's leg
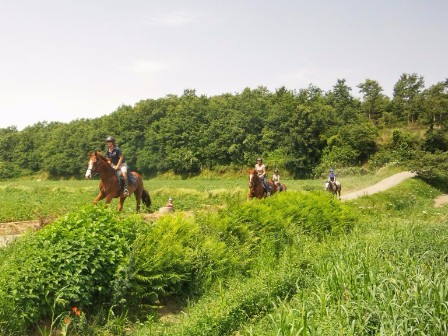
x,y
124,172
267,187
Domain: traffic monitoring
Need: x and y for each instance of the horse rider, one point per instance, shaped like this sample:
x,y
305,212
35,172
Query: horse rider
x,y
261,170
276,179
332,178
117,161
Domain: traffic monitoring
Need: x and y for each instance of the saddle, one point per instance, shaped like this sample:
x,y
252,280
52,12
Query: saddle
x,y
131,179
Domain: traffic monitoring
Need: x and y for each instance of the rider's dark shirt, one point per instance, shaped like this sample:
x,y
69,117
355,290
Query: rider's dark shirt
x,y
332,176
114,156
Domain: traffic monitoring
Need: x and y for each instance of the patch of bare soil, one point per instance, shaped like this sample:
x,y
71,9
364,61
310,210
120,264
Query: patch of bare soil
x,y
9,231
440,200
15,228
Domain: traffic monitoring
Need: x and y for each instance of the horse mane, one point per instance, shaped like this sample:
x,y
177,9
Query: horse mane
x,y
253,172
104,159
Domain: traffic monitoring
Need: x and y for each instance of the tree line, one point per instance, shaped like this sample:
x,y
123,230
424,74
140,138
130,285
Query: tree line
x,y
301,132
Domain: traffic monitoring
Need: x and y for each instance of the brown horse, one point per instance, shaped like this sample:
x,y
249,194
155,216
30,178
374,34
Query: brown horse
x,y
276,187
110,186
334,188
256,188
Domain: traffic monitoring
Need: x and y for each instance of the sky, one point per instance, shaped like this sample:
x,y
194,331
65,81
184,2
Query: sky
x,y
63,60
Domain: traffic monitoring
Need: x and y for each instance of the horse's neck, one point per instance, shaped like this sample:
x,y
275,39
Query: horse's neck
x,y
105,171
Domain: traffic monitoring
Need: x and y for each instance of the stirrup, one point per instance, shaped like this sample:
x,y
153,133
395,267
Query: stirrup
x,y
126,192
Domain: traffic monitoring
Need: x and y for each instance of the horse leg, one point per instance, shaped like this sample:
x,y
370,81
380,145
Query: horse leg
x,y
138,200
120,203
98,198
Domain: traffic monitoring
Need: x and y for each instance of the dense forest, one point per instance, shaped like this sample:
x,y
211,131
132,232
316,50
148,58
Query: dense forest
x,y
301,132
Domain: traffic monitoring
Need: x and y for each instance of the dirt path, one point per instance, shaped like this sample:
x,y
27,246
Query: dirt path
x,y
441,200
380,186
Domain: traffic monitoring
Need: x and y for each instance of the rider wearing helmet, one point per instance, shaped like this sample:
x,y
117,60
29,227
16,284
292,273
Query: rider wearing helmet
x,y
332,177
276,179
117,161
261,170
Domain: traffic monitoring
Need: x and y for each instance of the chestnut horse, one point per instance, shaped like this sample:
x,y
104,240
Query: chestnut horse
x,y
110,186
256,188
276,187
334,188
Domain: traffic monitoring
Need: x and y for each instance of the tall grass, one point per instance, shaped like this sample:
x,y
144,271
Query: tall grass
x,y
388,277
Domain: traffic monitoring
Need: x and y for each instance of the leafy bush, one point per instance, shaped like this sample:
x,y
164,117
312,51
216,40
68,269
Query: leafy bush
x,y
93,259
290,213
69,262
431,168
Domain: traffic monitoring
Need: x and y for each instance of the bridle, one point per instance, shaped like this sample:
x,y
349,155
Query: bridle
x,y
92,168
253,176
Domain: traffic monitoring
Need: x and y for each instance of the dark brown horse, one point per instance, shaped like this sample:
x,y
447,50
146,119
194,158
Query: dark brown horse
x,y
334,188
256,188
276,187
110,186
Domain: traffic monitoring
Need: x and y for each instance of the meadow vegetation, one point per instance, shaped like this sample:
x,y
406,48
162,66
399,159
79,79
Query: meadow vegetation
x,y
30,199
297,263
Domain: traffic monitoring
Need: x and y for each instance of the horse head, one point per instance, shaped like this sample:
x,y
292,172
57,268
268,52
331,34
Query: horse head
x,y
96,160
92,165
253,177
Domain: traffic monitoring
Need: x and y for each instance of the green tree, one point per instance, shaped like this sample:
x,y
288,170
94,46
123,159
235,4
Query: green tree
x,y
435,102
407,98
345,105
374,102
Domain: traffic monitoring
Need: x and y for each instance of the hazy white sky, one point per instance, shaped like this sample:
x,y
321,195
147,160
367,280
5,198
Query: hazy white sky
x,y
62,60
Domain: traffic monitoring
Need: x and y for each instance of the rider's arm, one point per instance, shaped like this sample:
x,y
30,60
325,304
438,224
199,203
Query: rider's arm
x,y
120,159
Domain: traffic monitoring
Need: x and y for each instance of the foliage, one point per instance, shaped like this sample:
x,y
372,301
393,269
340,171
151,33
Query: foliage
x,y
384,278
70,261
431,167
91,258
295,131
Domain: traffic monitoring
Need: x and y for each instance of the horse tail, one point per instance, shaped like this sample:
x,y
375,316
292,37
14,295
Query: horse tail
x,y
146,198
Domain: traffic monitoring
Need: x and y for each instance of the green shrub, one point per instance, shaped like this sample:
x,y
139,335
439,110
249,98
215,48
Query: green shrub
x,y
290,213
70,262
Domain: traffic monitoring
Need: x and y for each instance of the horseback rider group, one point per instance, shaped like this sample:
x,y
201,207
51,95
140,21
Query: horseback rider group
x,y
116,160
261,170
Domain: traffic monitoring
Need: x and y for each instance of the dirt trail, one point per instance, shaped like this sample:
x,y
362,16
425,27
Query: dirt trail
x,y
380,186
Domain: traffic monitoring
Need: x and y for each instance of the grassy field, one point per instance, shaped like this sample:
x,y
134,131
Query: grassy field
x,y
299,263
45,199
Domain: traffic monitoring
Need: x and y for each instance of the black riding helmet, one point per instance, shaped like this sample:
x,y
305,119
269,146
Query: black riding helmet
x,y
111,139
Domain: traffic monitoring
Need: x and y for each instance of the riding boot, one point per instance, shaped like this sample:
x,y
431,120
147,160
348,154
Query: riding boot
x,y
126,191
